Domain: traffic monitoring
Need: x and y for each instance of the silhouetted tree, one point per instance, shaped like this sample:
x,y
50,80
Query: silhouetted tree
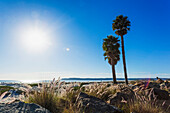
x,y
121,26
111,47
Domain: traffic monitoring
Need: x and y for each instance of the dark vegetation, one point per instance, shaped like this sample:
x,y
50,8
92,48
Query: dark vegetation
x,y
5,88
34,84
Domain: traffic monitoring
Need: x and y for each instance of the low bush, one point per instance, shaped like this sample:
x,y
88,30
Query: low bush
x,y
34,84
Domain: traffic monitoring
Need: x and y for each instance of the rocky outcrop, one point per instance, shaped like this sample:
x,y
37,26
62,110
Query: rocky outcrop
x,y
21,107
91,104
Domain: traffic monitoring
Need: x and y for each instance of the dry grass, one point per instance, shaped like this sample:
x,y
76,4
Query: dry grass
x,y
46,96
70,109
54,97
142,104
50,98
101,91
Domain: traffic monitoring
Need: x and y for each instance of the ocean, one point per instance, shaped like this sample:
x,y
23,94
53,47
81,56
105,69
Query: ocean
x,y
78,80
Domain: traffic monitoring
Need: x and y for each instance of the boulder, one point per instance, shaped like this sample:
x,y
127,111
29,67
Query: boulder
x,y
91,104
161,94
128,91
124,95
21,107
11,95
117,98
157,93
153,85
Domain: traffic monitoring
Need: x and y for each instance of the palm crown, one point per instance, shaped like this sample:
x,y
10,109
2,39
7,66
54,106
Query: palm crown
x,y
121,25
111,48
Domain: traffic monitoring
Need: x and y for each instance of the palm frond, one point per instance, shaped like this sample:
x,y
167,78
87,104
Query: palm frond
x,y
111,47
121,25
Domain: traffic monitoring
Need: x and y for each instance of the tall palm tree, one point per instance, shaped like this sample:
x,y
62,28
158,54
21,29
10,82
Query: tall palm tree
x,y
111,47
121,25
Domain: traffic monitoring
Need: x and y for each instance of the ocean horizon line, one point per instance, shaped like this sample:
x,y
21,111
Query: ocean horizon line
x,y
72,79
65,78
85,78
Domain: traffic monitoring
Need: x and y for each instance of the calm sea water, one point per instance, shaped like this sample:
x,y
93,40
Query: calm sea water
x,y
78,80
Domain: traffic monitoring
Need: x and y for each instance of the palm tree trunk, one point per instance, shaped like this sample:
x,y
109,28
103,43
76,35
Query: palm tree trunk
x,y
124,61
114,74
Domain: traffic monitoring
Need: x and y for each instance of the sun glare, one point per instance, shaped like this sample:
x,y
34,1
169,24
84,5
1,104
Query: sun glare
x,y
35,38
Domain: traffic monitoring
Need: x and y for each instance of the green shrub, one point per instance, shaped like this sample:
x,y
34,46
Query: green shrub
x,y
76,88
34,84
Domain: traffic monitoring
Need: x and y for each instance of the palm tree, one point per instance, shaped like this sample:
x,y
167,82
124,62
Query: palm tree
x,y
111,47
121,26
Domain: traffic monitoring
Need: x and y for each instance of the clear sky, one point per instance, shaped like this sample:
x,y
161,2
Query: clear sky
x,y
42,39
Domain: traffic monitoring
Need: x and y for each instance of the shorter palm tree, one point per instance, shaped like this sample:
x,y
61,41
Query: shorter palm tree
x,y
112,54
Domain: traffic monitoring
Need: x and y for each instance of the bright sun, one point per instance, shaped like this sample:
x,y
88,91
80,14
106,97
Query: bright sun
x,y
35,39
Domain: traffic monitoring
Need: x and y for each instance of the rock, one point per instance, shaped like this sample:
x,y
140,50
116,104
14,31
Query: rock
x,y
91,104
106,94
153,85
149,93
21,107
161,94
124,95
159,81
117,98
146,85
138,83
4,95
157,93
128,91
11,95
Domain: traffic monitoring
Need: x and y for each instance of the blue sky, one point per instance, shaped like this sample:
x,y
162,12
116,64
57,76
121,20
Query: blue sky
x,y
73,33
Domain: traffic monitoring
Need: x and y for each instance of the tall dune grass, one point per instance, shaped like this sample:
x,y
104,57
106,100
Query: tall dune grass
x,y
46,96
61,99
142,104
